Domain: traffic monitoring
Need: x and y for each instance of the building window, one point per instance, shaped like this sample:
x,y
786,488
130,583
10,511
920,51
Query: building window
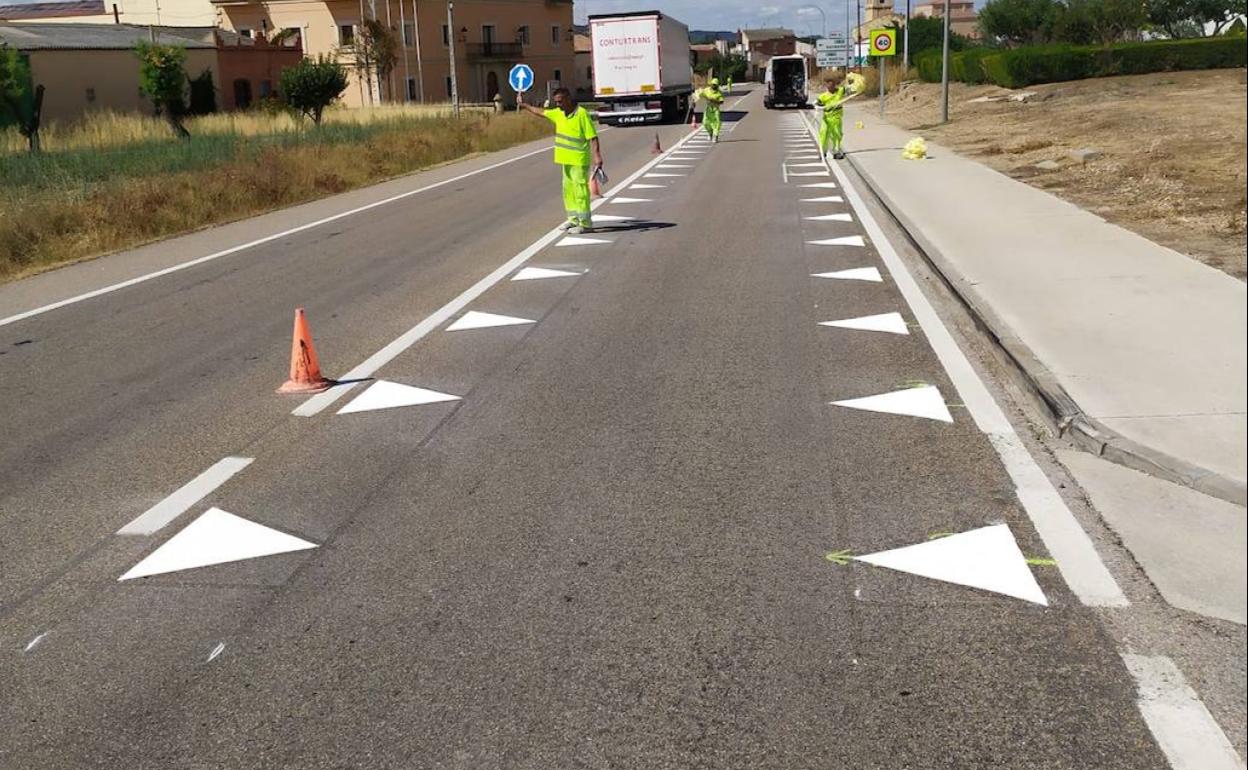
x,y
448,86
559,76
411,89
266,89
244,32
589,73
522,34
409,35
90,94
446,35
554,35
488,34
346,34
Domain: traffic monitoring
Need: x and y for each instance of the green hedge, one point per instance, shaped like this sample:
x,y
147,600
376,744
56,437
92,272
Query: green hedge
x,y
1019,67
1026,66
928,65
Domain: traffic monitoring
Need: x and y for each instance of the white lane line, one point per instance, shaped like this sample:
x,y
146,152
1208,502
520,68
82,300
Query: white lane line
x,y
257,242
1185,730
173,506
370,365
1067,543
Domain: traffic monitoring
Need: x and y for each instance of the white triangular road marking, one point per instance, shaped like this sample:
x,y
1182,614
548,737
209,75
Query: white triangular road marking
x,y
884,322
845,240
810,173
923,401
853,274
824,199
825,185
575,240
384,394
987,558
538,273
806,165
642,186
476,320
832,218
216,537
612,218
674,165
658,175
630,200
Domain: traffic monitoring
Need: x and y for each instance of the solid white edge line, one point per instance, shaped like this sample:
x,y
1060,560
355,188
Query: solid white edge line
x,y
370,365
155,518
1187,733
257,242
1065,539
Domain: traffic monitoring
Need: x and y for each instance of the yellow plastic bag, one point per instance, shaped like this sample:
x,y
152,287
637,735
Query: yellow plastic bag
x,y
855,83
915,149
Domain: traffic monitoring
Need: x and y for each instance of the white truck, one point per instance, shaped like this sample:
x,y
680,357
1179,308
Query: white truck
x,y
642,67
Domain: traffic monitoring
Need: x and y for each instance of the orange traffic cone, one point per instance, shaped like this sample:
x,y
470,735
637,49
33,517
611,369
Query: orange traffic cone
x,y
305,370
656,149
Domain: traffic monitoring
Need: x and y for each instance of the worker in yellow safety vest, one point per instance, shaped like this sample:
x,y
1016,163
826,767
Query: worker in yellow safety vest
x,y
831,128
714,98
576,145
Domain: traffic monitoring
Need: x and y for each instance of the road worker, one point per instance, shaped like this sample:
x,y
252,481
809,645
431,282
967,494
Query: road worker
x,y
831,130
729,89
714,98
576,148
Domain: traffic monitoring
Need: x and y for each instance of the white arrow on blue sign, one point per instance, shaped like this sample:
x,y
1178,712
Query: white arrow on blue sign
x,y
521,77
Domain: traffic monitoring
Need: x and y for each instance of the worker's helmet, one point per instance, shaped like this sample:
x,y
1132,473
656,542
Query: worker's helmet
x,y
715,82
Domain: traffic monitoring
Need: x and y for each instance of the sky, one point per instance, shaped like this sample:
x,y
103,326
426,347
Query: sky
x,y
734,14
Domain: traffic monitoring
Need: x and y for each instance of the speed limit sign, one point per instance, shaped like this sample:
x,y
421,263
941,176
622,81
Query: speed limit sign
x,y
883,42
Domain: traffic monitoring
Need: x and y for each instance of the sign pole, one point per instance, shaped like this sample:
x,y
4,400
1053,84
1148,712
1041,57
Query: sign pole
x,y
944,70
883,66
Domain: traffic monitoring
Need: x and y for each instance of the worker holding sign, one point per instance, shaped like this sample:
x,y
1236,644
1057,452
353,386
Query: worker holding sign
x,y
576,144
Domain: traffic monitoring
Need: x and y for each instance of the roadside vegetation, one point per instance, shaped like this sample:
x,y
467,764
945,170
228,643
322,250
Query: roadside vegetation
x,y
114,181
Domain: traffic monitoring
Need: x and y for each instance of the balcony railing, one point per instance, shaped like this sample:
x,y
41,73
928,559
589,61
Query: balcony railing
x,y
495,50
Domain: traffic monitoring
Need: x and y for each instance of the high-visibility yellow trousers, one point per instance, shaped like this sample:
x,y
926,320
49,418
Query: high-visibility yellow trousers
x,y
576,194
711,121
831,131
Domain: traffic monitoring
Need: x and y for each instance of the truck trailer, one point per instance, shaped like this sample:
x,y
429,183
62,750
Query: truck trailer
x,y
642,66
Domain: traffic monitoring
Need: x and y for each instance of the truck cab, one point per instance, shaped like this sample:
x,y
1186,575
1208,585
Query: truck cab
x,y
785,82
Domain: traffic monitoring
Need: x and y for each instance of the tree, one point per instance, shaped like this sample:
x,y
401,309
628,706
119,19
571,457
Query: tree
x,y
162,78
1109,20
1018,22
375,52
731,66
20,104
927,33
312,85
1194,18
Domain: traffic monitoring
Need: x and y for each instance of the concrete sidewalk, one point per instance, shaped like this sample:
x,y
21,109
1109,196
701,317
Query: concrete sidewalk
x,y
1138,351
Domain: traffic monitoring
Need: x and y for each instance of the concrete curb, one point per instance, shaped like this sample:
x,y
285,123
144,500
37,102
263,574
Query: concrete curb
x,y
1059,409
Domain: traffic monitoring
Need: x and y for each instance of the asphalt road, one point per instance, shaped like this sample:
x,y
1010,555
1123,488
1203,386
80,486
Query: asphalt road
x,y
610,553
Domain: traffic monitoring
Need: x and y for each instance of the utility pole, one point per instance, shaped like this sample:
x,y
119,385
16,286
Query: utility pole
x,y
407,73
905,43
450,39
858,32
944,70
420,64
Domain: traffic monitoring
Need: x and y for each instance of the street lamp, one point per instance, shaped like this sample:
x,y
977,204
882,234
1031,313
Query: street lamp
x,y
823,15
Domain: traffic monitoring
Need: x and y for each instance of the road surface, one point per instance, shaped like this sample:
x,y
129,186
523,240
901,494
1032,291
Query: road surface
x,y
640,537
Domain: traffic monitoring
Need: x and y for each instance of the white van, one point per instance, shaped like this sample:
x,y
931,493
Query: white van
x,y
785,81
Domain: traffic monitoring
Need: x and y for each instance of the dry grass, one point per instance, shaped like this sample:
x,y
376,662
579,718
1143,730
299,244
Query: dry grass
x,y
108,130
1173,150
156,192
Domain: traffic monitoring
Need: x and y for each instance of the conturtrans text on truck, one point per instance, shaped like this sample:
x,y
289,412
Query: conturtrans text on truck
x,y
641,66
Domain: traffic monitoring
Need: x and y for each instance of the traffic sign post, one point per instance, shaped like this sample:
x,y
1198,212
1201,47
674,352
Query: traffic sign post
x,y
883,45
520,78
